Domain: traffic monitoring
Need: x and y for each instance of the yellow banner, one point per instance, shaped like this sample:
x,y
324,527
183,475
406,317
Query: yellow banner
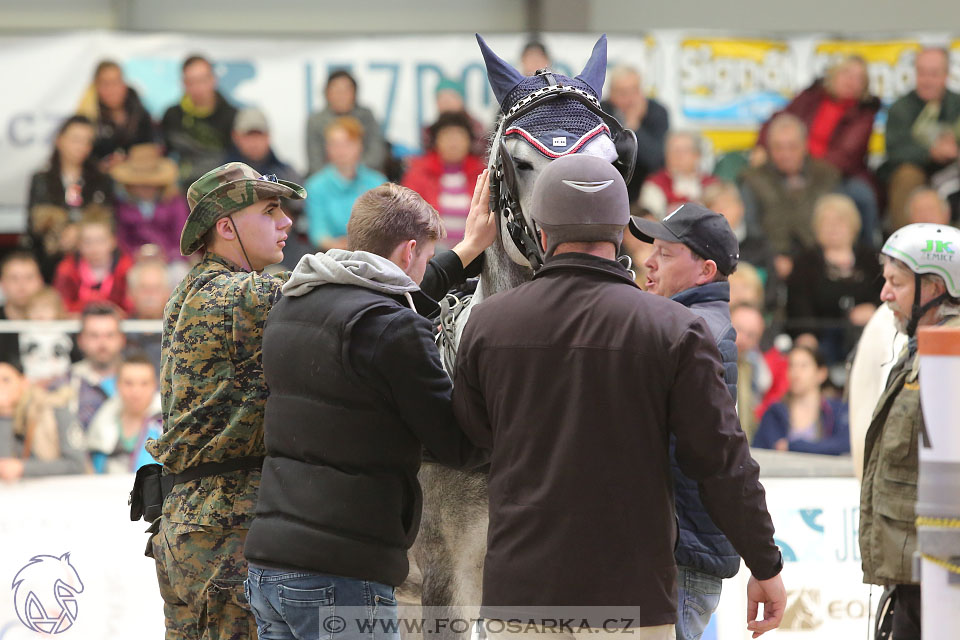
x,y
727,66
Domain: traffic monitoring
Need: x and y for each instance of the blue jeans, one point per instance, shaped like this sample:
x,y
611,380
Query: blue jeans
x,y
299,605
697,598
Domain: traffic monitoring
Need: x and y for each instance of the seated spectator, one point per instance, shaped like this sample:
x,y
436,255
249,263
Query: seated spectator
x,y
332,191
58,193
252,146
150,208
123,423
645,116
724,198
197,130
20,279
780,194
835,287
838,112
341,96
450,96
45,354
753,374
148,282
805,421
97,272
119,116
921,133
35,439
446,175
926,205
534,57
746,286
94,379
681,179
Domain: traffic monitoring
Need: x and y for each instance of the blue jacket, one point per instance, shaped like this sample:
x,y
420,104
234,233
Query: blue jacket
x,y
834,421
701,545
330,198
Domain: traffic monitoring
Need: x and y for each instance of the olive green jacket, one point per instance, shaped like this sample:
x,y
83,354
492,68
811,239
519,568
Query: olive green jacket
x,y
891,465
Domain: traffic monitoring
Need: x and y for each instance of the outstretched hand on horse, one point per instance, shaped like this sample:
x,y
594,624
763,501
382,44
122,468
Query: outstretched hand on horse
x,y
481,226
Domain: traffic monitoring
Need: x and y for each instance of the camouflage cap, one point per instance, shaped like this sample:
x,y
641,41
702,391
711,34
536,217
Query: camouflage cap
x,y
225,190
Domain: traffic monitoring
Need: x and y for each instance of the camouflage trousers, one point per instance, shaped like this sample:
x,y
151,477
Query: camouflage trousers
x,y
201,571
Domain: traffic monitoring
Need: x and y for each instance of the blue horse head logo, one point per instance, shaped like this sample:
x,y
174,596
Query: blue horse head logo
x,y
45,594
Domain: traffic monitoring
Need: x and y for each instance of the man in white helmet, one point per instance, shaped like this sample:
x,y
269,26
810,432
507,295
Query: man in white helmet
x,y
921,270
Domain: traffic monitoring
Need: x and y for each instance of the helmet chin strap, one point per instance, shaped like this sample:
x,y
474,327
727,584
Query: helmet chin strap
x,y
918,310
244,251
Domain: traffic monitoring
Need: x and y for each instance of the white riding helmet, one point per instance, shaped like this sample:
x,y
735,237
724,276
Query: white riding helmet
x,y
927,249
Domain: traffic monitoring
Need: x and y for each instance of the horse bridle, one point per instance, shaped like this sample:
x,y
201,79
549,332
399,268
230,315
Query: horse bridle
x,y
503,181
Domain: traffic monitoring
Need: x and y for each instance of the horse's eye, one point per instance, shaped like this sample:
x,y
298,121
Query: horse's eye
x,y
523,165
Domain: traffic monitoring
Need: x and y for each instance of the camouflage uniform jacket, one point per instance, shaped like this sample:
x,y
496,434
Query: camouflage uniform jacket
x,y
213,390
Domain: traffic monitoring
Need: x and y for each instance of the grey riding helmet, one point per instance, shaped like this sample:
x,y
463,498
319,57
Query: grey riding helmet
x,y
580,198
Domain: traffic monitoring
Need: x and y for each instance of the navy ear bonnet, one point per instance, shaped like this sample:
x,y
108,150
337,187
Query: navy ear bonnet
x,y
539,126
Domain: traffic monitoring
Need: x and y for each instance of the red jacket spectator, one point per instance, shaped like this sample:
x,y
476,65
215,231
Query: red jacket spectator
x,y
845,124
78,285
425,172
675,192
424,176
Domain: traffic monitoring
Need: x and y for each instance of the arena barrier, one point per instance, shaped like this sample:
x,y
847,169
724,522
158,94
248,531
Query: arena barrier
x,y
814,501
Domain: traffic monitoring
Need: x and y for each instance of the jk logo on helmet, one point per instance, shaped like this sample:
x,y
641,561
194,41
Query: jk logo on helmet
x,y
939,246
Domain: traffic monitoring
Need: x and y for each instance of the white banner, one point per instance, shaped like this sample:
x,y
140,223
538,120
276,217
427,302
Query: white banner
x,y
817,528
76,529
86,517
722,84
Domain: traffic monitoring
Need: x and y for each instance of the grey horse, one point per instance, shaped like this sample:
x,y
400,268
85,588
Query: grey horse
x,y
542,117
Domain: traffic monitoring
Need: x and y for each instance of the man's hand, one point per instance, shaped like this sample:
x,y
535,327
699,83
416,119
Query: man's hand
x,y
944,149
11,469
481,227
860,315
758,156
774,598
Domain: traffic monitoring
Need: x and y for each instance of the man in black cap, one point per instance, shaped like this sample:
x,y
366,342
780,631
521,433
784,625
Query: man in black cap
x,y
694,251
576,382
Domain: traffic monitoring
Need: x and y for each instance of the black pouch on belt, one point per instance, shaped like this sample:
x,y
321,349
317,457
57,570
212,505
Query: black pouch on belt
x,y
146,497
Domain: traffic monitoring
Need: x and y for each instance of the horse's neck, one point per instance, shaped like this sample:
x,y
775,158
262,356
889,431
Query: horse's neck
x,y
500,273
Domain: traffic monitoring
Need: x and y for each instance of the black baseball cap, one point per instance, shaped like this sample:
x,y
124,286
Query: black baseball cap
x,y
705,232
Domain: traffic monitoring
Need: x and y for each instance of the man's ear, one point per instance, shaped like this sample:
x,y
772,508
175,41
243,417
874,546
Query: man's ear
x,y
224,228
936,288
407,253
707,272
543,240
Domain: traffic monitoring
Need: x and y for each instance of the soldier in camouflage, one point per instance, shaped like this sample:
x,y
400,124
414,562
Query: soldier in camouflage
x,y
213,393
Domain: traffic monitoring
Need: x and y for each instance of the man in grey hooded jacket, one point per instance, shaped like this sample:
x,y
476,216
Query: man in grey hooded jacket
x,y
356,390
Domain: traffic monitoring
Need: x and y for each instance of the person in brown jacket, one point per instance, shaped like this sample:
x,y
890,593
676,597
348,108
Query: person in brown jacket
x,y
575,381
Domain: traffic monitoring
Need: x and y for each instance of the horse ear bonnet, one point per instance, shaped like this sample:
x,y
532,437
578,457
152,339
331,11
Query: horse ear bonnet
x,y
557,116
581,121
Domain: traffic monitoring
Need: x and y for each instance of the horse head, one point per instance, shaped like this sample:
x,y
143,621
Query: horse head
x,y
544,117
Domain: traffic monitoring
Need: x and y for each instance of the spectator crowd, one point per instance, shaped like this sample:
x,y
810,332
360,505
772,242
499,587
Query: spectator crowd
x,y
808,205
